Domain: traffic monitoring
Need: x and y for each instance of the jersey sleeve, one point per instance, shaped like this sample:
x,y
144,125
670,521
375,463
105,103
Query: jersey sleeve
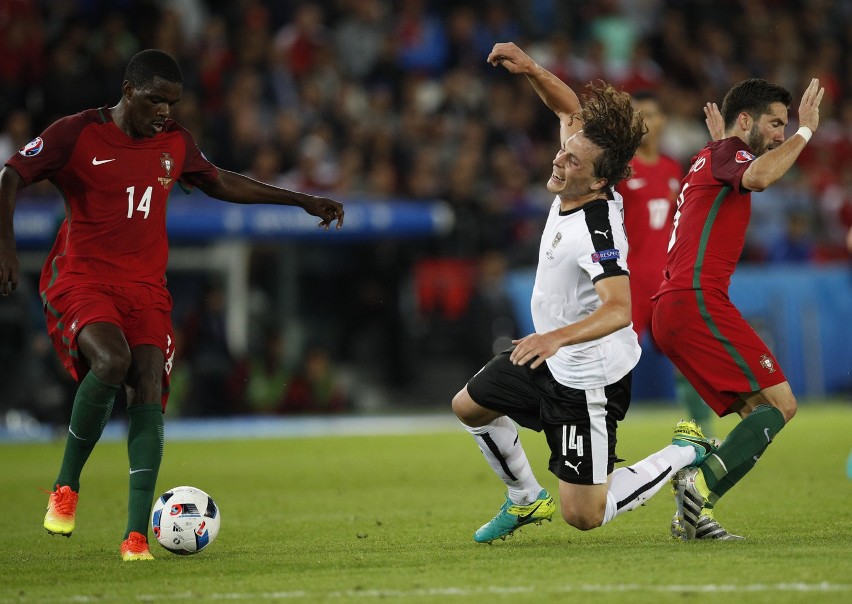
x,y
197,169
728,162
45,155
606,255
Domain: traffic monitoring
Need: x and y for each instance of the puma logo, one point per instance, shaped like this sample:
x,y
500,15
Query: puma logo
x,y
573,467
601,233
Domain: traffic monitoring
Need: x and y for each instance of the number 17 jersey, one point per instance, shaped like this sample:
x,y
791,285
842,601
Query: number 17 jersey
x,y
116,191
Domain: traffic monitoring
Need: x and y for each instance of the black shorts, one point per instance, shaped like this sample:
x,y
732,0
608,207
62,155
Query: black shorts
x,y
580,425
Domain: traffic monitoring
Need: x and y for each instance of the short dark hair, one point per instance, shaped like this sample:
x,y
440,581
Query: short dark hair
x,y
610,122
148,64
753,96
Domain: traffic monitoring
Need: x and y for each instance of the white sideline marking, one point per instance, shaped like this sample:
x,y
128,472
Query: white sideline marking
x,y
478,591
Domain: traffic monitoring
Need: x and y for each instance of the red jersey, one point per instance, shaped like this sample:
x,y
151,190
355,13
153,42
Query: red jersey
x,y
116,190
649,207
713,211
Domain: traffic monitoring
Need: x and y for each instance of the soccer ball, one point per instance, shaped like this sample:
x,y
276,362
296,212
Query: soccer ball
x,y
185,520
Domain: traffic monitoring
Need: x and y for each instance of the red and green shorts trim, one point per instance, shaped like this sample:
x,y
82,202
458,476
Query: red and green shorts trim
x,y
710,342
142,312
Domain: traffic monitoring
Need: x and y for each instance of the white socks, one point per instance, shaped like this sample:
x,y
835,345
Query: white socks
x,y
629,488
633,485
501,446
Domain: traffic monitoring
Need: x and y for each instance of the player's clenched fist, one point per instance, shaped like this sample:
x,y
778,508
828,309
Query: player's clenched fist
x,y
511,57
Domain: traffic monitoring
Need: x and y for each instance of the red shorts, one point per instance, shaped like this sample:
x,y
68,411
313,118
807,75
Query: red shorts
x,y
142,312
642,288
708,340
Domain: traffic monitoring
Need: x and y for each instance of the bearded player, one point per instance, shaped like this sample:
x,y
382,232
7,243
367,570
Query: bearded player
x,y
694,322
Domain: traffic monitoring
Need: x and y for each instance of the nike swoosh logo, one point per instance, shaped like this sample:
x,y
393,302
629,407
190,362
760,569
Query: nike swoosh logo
x,y
707,448
525,517
74,435
98,162
766,433
141,470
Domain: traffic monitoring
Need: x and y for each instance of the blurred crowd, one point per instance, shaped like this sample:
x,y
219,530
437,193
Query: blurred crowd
x,y
373,98
376,99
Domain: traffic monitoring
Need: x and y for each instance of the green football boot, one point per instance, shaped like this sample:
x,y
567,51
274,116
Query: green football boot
x,y
513,516
688,434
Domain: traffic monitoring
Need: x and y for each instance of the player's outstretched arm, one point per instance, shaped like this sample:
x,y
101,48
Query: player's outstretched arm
x,y
10,183
237,188
773,164
556,94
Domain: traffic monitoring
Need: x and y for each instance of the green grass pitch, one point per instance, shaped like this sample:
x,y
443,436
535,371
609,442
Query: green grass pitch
x,y
390,518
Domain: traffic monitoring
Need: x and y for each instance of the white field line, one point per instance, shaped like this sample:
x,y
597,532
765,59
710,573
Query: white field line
x,y
462,592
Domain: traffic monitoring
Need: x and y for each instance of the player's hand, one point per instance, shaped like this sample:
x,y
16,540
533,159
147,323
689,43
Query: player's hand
x,y
809,107
8,269
511,57
534,349
715,122
327,209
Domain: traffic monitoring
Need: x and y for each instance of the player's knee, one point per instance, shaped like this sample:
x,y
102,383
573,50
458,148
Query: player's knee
x,y
786,405
144,396
582,519
462,405
110,363
470,413
788,410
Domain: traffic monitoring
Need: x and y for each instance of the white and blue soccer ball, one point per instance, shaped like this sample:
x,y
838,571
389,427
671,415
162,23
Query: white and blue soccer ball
x,y
185,520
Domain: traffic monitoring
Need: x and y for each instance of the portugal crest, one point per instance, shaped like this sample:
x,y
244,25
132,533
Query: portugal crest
x,y
767,363
168,163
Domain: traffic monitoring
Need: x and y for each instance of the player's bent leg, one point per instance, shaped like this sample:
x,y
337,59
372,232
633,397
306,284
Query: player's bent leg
x,y
583,505
764,414
469,412
497,438
103,346
105,349
744,444
779,396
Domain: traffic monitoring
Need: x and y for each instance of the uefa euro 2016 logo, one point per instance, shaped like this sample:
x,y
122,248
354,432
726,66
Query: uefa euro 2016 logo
x,y
33,147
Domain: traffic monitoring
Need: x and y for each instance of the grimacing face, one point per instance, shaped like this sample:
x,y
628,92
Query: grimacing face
x,y
149,107
573,168
767,133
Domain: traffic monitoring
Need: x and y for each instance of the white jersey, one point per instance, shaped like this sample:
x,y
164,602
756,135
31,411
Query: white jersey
x,y
578,248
